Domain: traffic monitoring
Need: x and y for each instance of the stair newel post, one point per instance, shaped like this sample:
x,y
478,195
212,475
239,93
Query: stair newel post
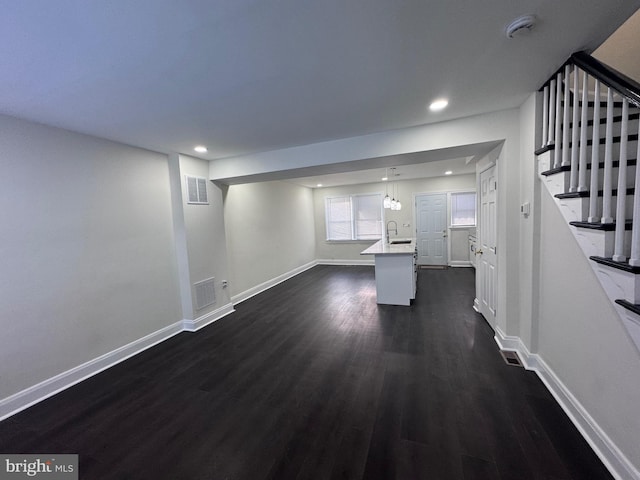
x,y
582,178
552,111
545,116
565,116
608,162
595,156
558,126
618,252
634,259
575,128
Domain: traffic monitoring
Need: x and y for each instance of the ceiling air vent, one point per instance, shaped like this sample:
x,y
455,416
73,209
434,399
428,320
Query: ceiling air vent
x,y
520,25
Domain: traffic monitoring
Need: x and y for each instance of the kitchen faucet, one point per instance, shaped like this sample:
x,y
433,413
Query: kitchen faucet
x,y
395,230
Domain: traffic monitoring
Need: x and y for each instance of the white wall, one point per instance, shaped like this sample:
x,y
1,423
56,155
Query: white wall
x,y
581,337
405,191
205,237
529,226
86,242
270,232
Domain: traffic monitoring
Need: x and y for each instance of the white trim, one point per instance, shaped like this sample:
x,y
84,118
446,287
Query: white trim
x,y
460,263
241,297
332,261
617,463
515,344
489,165
36,393
206,319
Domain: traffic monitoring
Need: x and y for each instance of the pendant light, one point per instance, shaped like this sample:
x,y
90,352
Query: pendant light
x,y
394,203
398,204
386,203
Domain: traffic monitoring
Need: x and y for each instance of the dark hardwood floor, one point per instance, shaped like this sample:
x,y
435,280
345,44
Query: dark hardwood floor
x,y
312,379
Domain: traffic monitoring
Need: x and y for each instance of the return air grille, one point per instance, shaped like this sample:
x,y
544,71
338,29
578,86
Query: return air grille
x,y
205,293
196,190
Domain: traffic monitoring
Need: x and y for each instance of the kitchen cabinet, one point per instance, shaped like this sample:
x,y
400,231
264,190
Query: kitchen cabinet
x,y
395,270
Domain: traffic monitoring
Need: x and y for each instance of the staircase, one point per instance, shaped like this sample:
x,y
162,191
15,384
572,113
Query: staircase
x,y
588,163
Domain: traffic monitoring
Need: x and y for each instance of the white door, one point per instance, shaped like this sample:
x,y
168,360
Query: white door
x,y
431,229
486,278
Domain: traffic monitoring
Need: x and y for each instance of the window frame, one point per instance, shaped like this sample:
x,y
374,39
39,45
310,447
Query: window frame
x,y
353,209
453,210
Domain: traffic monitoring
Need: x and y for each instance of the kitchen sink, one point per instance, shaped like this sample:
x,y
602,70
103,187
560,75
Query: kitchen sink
x,y
399,241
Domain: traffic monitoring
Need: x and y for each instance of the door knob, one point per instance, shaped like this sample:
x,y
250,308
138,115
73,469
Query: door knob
x,y
478,252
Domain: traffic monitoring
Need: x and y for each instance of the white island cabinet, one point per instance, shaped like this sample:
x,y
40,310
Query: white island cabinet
x,y
396,272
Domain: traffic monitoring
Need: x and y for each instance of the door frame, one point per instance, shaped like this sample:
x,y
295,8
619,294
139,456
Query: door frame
x,y
447,220
448,194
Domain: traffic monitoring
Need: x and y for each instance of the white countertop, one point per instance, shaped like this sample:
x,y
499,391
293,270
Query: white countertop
x,y
383,248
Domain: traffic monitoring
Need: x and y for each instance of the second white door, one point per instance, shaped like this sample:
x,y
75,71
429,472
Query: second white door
x,y
431,229
487,273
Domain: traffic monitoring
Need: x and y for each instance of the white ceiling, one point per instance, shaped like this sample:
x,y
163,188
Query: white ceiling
x,y
243,76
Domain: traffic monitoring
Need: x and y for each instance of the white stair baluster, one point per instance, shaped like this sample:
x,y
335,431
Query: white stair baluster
x,y
582,178
575,128
634,259
595,157
558,126
618,252
608,162
545,116
565,117
552,112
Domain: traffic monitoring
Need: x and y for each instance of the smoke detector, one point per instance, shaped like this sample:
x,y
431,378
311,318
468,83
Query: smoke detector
x,y
520,25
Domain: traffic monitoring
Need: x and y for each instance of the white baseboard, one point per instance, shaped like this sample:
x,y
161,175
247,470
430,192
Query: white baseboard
x,y
36,393
30,396
460,263
330,261
241,297
617,463
204,320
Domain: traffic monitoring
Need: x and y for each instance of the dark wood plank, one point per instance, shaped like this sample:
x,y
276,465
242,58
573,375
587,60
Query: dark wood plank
x,y
478,469
312,379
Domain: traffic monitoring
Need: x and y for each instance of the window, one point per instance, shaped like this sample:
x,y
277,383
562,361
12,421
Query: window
x,y
463,209
354,217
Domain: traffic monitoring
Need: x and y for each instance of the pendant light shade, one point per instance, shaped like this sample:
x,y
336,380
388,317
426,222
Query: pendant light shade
x,y
386,203
398,205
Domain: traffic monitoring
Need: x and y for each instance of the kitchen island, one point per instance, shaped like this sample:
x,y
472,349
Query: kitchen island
x,y
395,270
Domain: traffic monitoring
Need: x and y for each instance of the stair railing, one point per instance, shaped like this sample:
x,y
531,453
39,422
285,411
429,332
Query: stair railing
x,y
571,116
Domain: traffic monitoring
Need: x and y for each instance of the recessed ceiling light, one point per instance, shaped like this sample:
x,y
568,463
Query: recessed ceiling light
x,y
319,185
200,149
448,172
384,179
438,105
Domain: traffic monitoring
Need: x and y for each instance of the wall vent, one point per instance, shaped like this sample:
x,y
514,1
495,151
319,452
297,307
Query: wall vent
x,y
511,358
205,293
196,190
